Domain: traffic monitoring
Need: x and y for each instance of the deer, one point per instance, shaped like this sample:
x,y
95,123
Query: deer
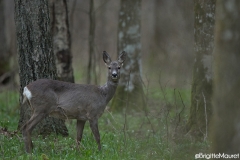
x,y
65,100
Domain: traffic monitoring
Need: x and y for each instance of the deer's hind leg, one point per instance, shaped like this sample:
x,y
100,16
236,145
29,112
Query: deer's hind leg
x,y
95,131
27,130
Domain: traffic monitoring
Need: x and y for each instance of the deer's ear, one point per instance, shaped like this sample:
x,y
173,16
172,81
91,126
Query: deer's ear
x,y
106,58
122,57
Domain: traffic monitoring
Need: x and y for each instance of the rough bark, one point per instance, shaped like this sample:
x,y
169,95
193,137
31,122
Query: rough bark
x,y
61,39
130,90
225,135
36,59
201,94
4,54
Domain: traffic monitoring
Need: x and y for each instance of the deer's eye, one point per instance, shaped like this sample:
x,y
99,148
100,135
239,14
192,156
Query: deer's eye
x,y
119,67
109,67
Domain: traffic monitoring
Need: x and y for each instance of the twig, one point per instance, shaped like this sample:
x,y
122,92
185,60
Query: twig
x,y
164,96
113,120
145,110
175,103
197,123
179,114
205,107
182,108
125,114
167,125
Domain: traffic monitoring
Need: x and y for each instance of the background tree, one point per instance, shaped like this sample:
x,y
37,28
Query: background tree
x,y
61,39
226,103
36,59
171,40
130,87
201,91
4,54
91,70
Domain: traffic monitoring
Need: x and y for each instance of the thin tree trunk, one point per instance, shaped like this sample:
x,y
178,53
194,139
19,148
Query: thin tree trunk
x,y
4,54
61,39
201,95
130,89
225,135
91,72
35,55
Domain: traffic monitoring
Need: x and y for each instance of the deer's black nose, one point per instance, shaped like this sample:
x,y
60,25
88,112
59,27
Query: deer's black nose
x,y
114,74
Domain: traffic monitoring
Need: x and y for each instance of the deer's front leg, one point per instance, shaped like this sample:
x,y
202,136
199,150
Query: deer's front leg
x,y
94,128
80,127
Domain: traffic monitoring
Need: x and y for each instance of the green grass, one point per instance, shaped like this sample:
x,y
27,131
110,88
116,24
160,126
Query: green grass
x,y
9,110
155,135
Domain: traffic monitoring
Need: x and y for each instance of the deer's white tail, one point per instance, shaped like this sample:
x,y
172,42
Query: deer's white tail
x,y
26,94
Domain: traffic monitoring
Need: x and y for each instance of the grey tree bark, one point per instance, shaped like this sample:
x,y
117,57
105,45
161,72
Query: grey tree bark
x,y
35,55
130,89
225,135
61,39
201,94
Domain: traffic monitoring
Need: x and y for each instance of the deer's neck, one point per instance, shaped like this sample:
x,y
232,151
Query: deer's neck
x,y
108,89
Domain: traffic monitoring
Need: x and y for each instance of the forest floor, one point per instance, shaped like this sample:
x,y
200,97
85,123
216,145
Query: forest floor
x,y
155,133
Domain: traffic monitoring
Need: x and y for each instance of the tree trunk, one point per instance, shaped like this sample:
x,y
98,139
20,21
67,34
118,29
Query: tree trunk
x,y
91,71
130,90
4,54
36,59
225,135
201,96
61,39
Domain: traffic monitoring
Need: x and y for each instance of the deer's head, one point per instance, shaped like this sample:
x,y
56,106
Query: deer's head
x,y
113,66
